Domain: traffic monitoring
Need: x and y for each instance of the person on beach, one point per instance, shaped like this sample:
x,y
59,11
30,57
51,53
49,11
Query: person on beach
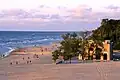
x,y
16,62
30,61
42,50
37,56
27,62
23,58
28,57
10,63
3,55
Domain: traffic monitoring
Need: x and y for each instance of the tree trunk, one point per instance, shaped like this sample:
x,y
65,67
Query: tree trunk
x,y
70,60
54,61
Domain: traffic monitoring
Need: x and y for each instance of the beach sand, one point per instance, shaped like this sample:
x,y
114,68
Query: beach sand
x,y
42,68
25,56
41,54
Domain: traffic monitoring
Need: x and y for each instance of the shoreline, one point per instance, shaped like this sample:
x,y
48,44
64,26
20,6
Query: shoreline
x,y
29,55
33,49
23,49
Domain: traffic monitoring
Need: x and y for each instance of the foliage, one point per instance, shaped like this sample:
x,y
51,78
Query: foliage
x,y
109,30
55,55
70,46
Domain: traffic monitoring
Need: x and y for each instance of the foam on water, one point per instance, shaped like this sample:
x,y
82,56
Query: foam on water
x,y
6,51
12,40
10,50
32,41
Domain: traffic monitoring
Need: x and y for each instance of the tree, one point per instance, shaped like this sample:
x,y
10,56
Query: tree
x,y
55,55
84,42
70,46
109,30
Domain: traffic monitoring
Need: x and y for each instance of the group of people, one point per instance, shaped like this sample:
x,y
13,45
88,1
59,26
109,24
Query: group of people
x,y
35,56
17,62
28,60
44,49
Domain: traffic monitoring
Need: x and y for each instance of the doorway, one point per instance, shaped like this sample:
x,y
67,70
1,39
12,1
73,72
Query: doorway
x,y
105,56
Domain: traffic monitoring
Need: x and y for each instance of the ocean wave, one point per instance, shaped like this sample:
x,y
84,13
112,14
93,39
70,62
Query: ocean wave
x,y
2,44
12,40
32,41
15,45
9,51
12,45
27,38
36,41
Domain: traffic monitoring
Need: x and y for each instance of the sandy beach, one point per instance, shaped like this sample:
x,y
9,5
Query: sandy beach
x,y
17,66
33,54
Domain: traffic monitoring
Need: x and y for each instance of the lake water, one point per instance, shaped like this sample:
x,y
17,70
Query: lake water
x,y
10,40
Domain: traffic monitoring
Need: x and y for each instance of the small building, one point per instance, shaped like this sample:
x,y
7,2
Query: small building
x,y
91,54
107,51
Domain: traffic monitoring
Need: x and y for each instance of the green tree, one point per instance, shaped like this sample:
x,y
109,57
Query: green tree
x,y
55,55
70,46
109,30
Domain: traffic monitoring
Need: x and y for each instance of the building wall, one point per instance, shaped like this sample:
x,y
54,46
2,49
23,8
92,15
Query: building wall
x,y
105,50
106,46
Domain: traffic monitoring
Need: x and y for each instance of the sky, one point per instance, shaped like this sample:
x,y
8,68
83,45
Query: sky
x,y
56,15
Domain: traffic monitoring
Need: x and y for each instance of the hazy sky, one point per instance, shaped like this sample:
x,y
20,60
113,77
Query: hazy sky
x,y
57,15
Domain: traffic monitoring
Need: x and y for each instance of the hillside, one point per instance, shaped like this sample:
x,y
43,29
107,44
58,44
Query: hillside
x,y
110,30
